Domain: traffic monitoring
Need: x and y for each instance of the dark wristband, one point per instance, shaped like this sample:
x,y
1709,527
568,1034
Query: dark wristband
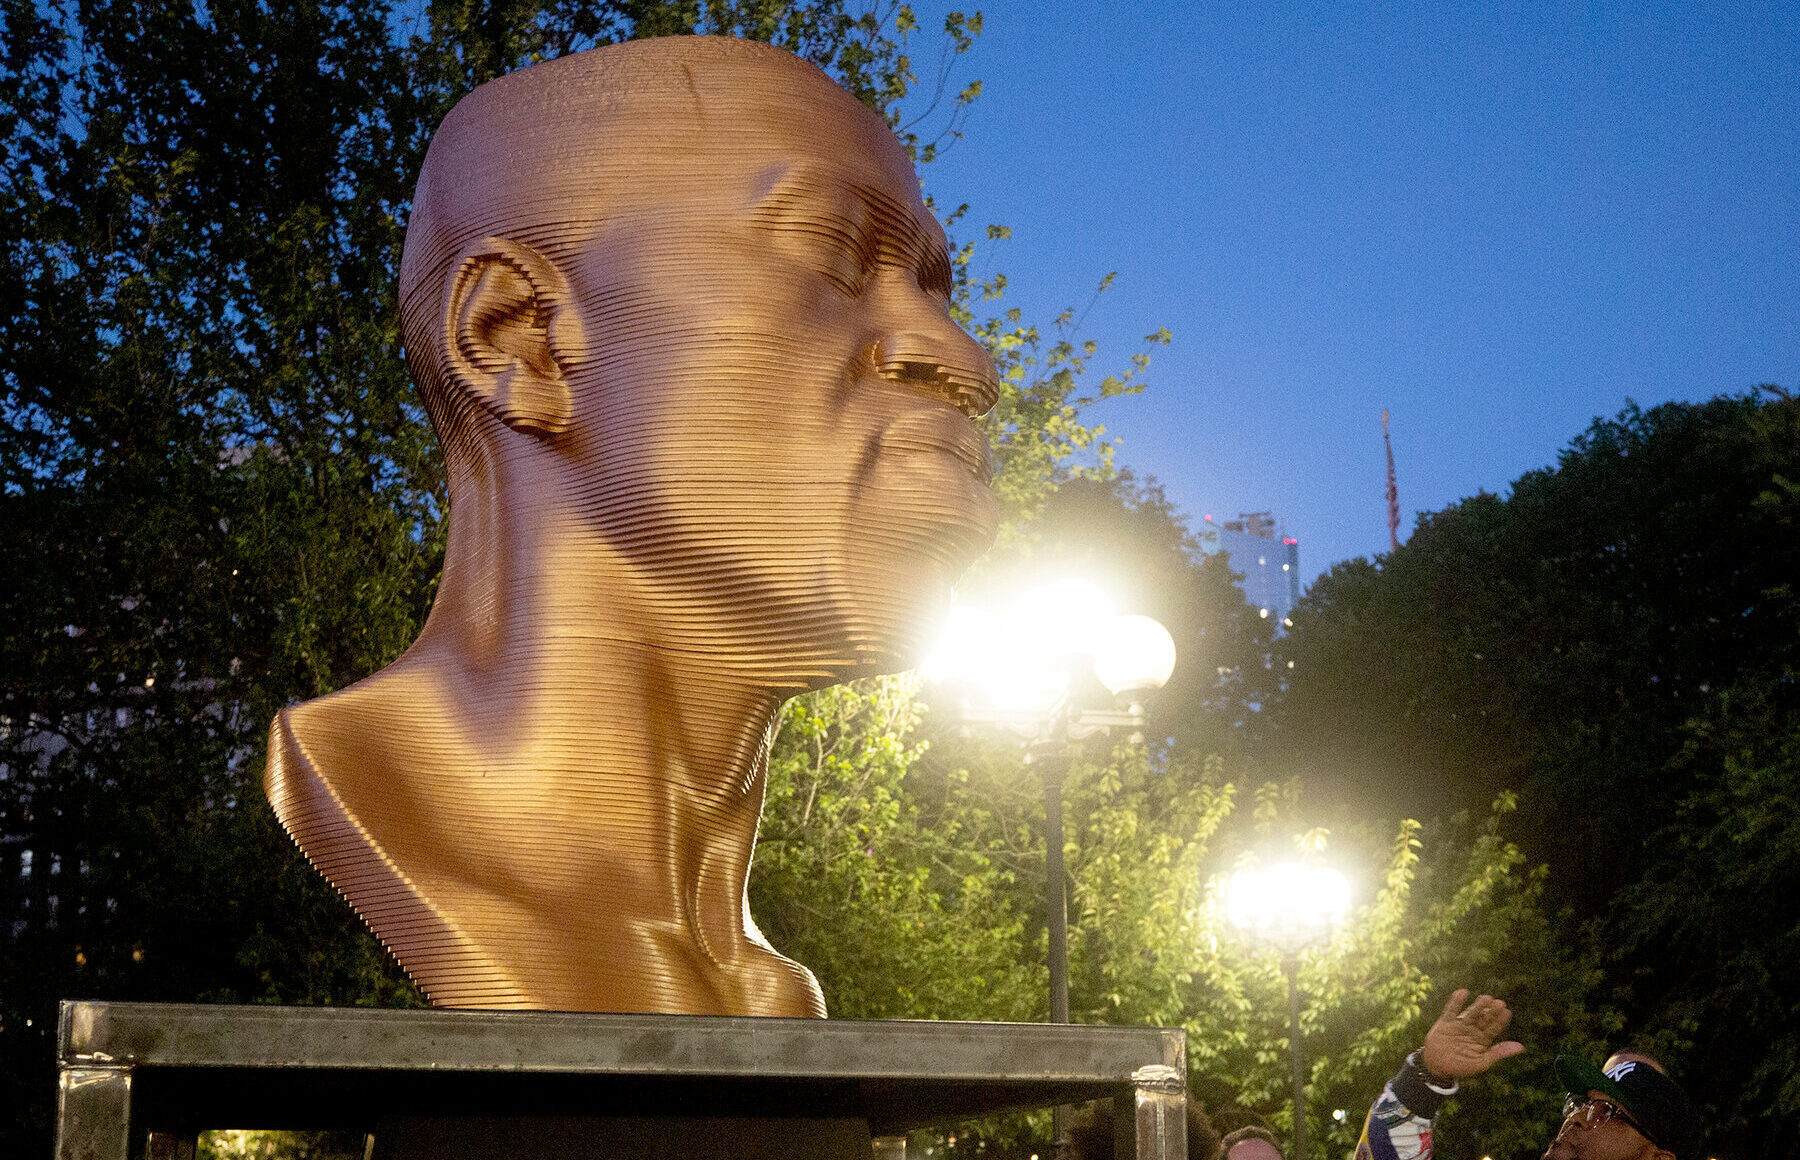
x,y
1422,1096
1417,1059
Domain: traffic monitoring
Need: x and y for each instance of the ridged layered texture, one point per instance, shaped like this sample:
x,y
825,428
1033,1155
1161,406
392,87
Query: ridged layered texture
x,y
681,322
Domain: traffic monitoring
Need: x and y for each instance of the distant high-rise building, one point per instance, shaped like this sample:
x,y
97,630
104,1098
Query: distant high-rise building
x,y
1269,561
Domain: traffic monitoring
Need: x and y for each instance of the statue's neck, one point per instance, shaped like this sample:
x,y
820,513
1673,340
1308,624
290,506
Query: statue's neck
x,y
551,799
537,621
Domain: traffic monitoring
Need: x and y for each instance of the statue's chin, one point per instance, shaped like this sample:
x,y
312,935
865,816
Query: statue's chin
x,y
896,646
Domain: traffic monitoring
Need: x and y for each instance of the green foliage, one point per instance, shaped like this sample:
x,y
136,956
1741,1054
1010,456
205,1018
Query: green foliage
x,y
215,488
1036,430
1616,642
1559,639
908,873
239,1144
894,910
1152,945
1713,920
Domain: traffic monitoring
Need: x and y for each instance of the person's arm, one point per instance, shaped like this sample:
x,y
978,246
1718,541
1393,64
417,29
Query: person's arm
x,y
1398,1126
1460,1044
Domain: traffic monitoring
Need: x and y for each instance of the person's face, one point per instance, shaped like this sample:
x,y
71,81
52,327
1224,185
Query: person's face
x,y
778,418
1598,1129
1253,1149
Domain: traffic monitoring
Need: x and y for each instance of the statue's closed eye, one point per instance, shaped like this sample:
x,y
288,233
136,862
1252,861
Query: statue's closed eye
x,y
828,230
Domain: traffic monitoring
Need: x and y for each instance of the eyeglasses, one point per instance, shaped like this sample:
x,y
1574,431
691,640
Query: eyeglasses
x,y
1591,1113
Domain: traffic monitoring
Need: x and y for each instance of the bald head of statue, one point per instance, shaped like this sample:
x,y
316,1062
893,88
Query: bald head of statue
x,y
681,322
689,287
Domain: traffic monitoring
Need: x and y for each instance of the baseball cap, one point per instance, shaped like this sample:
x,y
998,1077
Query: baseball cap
x,y
1654,1100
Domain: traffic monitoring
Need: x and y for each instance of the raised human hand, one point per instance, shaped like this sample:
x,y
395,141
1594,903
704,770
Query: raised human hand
x,y
1461,1043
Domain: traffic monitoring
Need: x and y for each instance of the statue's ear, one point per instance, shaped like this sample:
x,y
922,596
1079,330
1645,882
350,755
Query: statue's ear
x,y
512,335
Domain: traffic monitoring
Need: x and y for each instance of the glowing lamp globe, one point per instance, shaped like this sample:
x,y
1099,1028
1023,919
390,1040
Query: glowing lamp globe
x,y
1289,905
967,640
1067,617
988,657
1134,654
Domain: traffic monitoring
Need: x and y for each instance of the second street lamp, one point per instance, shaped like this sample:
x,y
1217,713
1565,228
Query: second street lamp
x,y
1289,907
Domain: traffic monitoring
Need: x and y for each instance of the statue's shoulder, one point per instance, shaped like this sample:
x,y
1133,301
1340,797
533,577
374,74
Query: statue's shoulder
x,y
325,754
296,735
303,799
329,776
356,721
284,750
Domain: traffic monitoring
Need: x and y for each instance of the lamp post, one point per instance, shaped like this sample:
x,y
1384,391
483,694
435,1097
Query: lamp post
x,y
1018,672
1289,907
1053,761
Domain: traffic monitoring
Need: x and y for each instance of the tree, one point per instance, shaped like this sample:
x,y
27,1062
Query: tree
x,y
1151,834
216,495
1705,937
894,909
217,490
1152,944
1615,641
1556,640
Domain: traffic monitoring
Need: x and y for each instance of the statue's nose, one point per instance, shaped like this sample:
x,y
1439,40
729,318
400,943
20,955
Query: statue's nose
x,y
950,364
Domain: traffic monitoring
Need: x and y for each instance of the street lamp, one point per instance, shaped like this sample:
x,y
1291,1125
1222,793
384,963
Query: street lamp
x,y
1289,907
1020,671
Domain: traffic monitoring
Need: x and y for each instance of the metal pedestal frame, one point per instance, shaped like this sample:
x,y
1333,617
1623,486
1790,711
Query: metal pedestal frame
x,y
141,1080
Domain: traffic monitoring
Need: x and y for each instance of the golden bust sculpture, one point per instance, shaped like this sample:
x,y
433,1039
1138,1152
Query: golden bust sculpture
x,y
679,318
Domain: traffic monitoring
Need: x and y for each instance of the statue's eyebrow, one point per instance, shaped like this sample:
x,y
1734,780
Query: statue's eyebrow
x,y
857,216
803,199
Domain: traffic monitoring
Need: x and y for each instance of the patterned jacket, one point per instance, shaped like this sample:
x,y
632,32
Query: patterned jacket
x,y
1399,1124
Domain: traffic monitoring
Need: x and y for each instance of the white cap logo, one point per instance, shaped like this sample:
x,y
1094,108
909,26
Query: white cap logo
x,y
1621,1070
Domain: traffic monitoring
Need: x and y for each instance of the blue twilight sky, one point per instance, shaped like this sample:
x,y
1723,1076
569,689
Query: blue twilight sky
x,y
1497,220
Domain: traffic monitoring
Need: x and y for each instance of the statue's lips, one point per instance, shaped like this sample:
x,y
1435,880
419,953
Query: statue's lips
x,y
938,430
931,469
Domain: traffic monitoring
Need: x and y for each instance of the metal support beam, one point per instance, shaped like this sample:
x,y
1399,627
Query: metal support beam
x,y
93,1113
171,1146
137,1074
1154,1125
